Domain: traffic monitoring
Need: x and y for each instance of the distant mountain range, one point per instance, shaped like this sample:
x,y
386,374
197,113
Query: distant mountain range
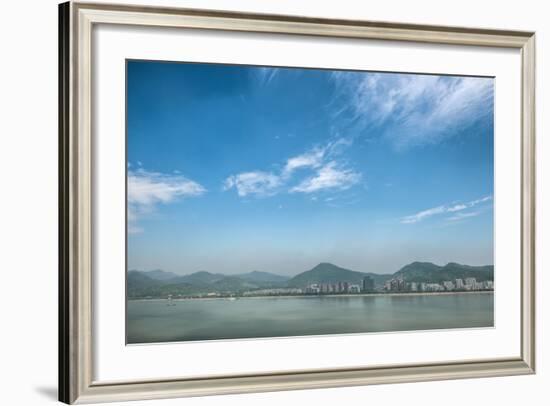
x,y
329,273
428,272
262,277
159,283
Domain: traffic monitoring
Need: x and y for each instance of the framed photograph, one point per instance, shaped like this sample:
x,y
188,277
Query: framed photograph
x,y
262,202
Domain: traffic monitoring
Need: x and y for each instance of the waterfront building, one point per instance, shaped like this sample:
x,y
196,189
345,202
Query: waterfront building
x,y
396,285
273,292
449,285
471,281
434,287
353,288
368,284
459,284
401,285
313,289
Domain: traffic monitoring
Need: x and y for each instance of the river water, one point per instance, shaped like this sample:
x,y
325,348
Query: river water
x,y
153,321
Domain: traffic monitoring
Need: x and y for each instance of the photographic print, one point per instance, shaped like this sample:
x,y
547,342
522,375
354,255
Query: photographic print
x,y
283,201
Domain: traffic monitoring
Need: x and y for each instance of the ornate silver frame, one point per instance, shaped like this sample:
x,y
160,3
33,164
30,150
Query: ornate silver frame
x,y
76,384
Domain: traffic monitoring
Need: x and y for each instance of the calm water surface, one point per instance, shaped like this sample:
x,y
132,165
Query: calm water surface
x,y
152,321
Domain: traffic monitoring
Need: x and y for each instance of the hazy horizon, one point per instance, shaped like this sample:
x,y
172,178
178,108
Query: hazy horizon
x,y
237,168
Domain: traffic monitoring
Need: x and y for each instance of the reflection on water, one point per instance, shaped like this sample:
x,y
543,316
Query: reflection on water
x,y
151,321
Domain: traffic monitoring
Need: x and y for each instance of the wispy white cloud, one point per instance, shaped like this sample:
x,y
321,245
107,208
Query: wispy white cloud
x,y
316,157
266,75
478,201
457,207
328,177
323,170
451,208
310,159
147,190
412,109
256,183
421,215
464,215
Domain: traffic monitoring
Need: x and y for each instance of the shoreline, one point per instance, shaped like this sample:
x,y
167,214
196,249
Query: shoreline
x,y
317,296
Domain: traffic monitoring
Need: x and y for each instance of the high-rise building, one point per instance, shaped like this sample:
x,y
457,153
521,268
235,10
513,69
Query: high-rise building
x,y
459,284
449,285
368,284
401,285
353,288
313,289
470,281
470,284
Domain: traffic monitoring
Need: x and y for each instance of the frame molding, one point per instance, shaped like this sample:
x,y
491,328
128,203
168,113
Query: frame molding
x,y
76,21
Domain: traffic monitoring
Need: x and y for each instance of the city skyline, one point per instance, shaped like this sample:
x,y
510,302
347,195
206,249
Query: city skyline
x,y
236,168
324,278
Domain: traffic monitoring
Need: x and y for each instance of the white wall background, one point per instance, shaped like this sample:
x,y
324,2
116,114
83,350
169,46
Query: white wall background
x,y
28,202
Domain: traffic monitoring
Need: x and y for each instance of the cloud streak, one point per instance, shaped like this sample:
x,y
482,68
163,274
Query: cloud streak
x,y
328,177
256,183
310,159
147,190
462,216
320,164
411,109
453,208
266,75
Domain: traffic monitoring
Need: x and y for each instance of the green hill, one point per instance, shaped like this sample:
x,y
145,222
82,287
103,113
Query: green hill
x,y
160,275
139,280
199,278
262,277
161,290
141,284
232,284
428,272
330,273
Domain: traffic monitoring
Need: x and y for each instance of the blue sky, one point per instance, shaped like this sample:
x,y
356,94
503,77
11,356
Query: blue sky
x,y
239,168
